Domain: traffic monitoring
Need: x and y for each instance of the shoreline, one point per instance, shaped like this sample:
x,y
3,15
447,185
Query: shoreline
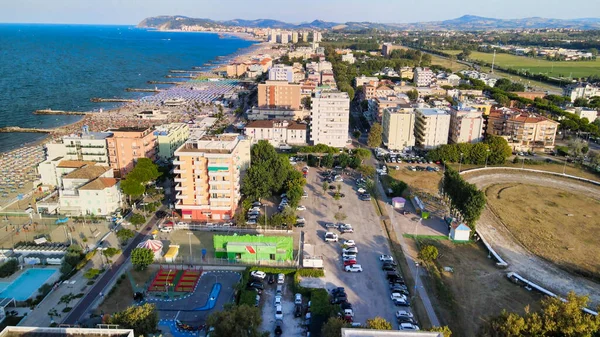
x,y
221,59
240,35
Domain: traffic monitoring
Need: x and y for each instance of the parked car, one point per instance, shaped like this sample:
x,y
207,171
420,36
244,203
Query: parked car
x,y
348,256
256,204
298,299
161,214
279,290
278,312
365,197
338,290
350,250
298,310
355,268
349,262
256,285
403,319
386,258
330,225
361,190
271,279
339,299
258,274
300,224
166,229
388,267
349,243
400,300
331,237
251,222
277,300
305,194
404,313
300,219
346,228
278,330
280,279
301,208
408,327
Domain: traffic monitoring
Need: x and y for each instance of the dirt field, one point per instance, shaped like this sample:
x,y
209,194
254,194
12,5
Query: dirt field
x,y
560,227
420,181
478,288
122,295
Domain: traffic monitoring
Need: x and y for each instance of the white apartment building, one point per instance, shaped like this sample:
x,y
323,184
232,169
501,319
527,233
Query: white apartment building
x,y
87,146
432,127
399,127
423,77
294,37
284,37
362,80
590,114
317,36
281,72
466,125
581,90
325,65
277,132
349,57
330,116
208,176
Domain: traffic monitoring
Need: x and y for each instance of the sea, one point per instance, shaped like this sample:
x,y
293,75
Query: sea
x,y
62,66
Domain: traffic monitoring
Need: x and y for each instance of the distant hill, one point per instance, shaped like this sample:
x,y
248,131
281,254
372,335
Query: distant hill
x,y
466,22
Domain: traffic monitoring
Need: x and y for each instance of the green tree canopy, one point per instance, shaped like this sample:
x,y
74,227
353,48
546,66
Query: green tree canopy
x,y
236,320
499,149
125,234
378,323
375,135
333,327
143,319
137,219
141,258
428,253
412,94
362,154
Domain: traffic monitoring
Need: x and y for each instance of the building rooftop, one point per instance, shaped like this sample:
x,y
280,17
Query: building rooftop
x,y
332,95
87,172
267,124
129,129
432,112
165,129
24,331
99,184
87,136
74,163
349,332
223,143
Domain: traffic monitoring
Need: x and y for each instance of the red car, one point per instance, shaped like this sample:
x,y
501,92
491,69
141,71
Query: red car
x,y
349,262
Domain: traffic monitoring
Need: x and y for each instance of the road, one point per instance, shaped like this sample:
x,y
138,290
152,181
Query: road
x,y
80,310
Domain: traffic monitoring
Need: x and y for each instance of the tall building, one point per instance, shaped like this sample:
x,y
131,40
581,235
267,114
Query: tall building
x,y
279,94
524,131
423,77
466,124
208,176
284,37
330,115
281,72
169,137
127,145
399,127
317,36
86,146
273,36
387,48
431,127
294,37
305,36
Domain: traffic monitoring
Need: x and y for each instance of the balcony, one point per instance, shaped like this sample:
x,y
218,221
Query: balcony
x,y
180,180
219,173
179,171
178,187
217,190
179,196
178,162
222,199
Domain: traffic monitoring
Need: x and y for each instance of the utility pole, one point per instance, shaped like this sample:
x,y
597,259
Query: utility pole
x,y
190,243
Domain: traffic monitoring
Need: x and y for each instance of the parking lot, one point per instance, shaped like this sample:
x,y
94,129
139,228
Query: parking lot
x,y
367,291
291,326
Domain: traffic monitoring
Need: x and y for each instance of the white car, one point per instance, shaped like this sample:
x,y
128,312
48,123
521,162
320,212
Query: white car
x,y
349,243
346,228
331,237
386,258
277,301
350,250
166,229
300,219
398,297
404,313
349,255
362,190
280,279
278,312
349,258
355,268
305,194
301,208
408,327
258,274
298,299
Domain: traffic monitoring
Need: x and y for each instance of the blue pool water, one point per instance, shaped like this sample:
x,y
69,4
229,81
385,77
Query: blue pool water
x,y
26,284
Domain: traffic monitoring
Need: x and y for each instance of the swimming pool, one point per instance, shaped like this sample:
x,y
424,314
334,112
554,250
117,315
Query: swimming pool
x,y
26,284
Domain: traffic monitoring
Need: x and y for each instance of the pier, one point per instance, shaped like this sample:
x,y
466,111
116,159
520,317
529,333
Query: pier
x,y
9,129
180,76
58,112
163,82
113,100
142,90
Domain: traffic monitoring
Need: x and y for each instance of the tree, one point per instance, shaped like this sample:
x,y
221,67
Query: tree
x,y
125,234
236,320
339,216
362,154
556,318
398,187
594,158
378,323
91,273
581,102
294,194
343,160
137,219
306,102
325,186
333,327
443,329
132,188
327,161
354,162
9,267
143,319
366,170
499,149
66,299
576,147
412,94
110,252
428,253
375,135
141,258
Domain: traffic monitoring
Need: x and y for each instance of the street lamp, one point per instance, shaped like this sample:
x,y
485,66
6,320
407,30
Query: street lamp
x,y
460,162
190,243
486,156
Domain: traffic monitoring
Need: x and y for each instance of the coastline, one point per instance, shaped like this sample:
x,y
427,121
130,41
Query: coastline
x,y
240,35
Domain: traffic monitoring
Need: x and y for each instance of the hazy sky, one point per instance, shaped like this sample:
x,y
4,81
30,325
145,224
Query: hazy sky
x,y
133,11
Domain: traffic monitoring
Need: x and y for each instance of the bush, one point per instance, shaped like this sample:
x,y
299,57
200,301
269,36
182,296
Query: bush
x,y
428,253
9,267
273,270
67,309
311,272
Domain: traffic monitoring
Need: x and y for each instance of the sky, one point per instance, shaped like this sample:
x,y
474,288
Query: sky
x,y
293,11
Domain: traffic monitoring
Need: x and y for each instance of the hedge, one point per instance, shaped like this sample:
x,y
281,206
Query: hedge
x,y
311,272
9,267
272,270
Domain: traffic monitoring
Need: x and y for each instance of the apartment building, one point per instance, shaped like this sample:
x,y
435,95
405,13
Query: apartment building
x,y
466,124
387,48
277,132
169,138
590,114
208,177
317,36
399,127
126,145
378,105
294,37
86,146
581,90
330,116
524,131
281,72
348,57
431,127
236,69
423,77
279,94
362,80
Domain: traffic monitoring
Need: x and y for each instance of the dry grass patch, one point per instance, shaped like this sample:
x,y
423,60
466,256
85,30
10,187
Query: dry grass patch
x,y
420,181
557,225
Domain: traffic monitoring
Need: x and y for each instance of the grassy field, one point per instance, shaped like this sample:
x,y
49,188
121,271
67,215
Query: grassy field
x,y
557,168
420,181
471,289
561,227
455,66
538,65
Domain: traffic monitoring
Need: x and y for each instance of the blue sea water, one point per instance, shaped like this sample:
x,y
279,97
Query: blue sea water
x,y
62,66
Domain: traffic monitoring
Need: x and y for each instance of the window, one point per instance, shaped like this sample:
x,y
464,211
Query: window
x,y
272,257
